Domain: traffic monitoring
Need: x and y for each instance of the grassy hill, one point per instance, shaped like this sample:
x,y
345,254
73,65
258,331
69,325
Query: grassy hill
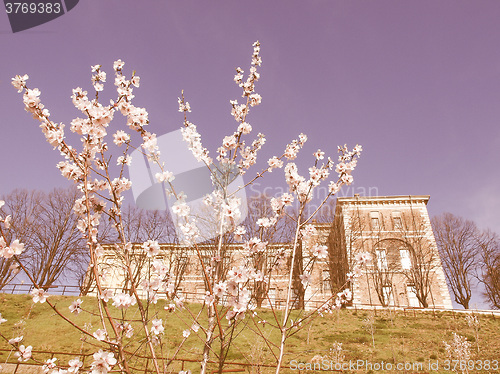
x,y
415,338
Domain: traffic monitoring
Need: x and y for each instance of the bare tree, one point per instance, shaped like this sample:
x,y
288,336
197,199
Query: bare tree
x,y
22,207
7,271
489,273
58,245
140,225
343,245
457,241
384,267
327,212
424,256
45,223
338,261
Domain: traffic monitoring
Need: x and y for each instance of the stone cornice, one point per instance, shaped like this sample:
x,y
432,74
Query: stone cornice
x,y
384,200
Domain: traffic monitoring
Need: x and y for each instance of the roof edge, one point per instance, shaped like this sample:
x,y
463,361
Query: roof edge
x,y
424,198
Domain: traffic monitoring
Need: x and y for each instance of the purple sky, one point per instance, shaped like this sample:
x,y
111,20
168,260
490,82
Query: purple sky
x,y
416,83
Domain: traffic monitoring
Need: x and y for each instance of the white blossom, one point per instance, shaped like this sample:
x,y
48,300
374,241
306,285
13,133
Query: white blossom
x,y
305,278
75,306
123,301
181,209
39,295
219,289
19,82
49,364
23,353
124,160
99,334
74,365
238,232
120,137
274,163
151,247
118,65
165,176
157,327
320,251
103,362
363,258
15,340
245,128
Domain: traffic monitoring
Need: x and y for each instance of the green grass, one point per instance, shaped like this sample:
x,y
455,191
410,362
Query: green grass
x,y
398,337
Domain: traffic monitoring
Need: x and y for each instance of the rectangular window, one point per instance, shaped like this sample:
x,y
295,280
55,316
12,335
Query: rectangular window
x,y
381,259
375,222
405,259
396,218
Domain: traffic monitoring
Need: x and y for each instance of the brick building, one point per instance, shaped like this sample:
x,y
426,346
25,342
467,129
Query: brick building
x,y
405,268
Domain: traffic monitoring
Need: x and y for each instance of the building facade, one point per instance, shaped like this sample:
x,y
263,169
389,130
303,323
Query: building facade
x,y
394,233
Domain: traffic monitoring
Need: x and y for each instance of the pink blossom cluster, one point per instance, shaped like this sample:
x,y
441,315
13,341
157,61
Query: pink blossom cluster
x,y
360,261
254,245
14,249
191,135
39,295
123,301
89,167
309,234
151,248
100,334
320,251
226,209
342,298
157,327
93,127
75,306
319,172
125,328
74,365
234,145
24,353
49,364
103,362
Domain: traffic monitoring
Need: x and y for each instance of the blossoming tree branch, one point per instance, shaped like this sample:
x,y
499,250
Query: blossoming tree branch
x,y
133,320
